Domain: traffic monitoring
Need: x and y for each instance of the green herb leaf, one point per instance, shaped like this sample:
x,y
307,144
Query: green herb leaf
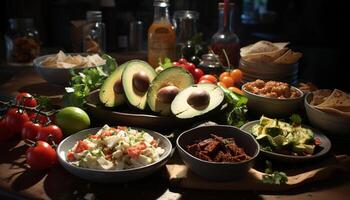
x,y
295,119
166,64
274,177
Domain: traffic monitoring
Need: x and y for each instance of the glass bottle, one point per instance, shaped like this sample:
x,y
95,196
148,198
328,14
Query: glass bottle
x,y
22,41
225,42
94,39
185,23
161,34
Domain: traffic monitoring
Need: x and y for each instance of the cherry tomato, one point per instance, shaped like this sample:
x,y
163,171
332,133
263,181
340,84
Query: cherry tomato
x,y
182,61
27,99
42,119
209,77
30,130
204,81
197,74
15,119
235,90
177,64
237,75
54,131
221,84
41,156
227,80
5,132
223,74
190,67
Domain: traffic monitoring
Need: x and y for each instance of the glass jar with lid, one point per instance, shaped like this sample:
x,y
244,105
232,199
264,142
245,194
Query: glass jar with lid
x,y
94,36
211,64
22,42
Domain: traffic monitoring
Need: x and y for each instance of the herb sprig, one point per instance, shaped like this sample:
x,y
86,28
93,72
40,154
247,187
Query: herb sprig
x,y
274,177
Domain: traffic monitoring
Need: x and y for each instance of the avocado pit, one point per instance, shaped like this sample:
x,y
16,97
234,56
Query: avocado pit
x,y
118,87
167,94
140,81
199,99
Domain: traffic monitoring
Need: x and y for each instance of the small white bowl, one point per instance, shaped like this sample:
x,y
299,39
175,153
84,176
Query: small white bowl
x,y
330,123
272,107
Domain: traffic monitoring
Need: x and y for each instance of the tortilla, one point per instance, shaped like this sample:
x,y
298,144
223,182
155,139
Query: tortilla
x,y
319,96
289,57
281,45
262,47
338,103
265,57
61,60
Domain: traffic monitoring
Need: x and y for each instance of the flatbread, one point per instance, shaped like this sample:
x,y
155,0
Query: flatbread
x,y
262,47
62,60
319,96
281,45
338,102
289,57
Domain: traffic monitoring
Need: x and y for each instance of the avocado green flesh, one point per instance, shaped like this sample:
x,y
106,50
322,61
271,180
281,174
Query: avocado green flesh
x,y
183,110
107,94
176,76
136,98
274,134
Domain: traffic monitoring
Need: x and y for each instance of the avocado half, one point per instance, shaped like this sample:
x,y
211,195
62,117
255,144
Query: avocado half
x,y
136,78
197,100
165,87
111,92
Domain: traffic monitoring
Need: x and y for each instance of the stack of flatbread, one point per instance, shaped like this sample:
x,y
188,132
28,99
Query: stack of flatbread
x,y
334,102
268,52
62,60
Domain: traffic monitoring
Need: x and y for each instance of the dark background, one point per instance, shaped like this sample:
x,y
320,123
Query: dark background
x,y
315,28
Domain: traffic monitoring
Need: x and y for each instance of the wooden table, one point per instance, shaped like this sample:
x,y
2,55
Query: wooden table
x,y
17,182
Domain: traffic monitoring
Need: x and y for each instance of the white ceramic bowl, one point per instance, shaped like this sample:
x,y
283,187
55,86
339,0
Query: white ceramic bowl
x,y
330,123
272,107
97,175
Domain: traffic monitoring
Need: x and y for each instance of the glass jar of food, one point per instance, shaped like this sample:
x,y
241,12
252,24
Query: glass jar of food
x,y
210,64
22,42
94,36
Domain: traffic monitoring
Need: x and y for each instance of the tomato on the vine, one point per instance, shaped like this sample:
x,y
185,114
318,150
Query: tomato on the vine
x,y
223,74
209,77
204,81
41,156
49,133
237,75
189,67
30,130
26,99
5,132
15,119
182,61
227,80
197,74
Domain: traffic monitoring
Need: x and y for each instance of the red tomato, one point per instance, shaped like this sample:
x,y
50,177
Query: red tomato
x,y
223,74
70,156
26,99
154,143
209,77
235,90
30,130
15,119
227,80
197,74
134,152
190,67
182,61
5,132
177,64
141,146
49,133
204,81
82,146
237,75
41,156
42,119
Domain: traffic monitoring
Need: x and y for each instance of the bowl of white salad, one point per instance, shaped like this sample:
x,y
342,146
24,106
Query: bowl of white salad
x,y
114,154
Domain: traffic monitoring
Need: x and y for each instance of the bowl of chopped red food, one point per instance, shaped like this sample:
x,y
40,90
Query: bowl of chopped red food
x,y
272,98
218,152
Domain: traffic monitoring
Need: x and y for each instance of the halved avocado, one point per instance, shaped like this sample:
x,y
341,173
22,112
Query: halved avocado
x,y
165,87
197,100
112,92
136,78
